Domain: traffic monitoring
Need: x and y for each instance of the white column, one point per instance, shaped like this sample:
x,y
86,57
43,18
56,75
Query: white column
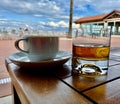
x,y
105,24
114,28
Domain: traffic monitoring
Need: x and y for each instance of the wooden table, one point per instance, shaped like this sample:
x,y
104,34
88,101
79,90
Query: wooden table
x,y
58,86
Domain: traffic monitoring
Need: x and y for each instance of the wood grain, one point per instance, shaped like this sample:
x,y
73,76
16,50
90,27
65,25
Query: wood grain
x,y
108,93
82,83
35,88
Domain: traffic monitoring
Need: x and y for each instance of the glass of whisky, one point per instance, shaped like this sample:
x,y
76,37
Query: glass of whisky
x,y
90,53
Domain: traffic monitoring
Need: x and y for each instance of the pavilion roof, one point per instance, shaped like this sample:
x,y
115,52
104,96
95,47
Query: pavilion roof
x,y
96,18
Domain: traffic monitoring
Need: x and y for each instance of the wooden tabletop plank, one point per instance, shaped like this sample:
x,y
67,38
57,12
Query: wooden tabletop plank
x,y
113,62
82,83
108,93
38,88
116,58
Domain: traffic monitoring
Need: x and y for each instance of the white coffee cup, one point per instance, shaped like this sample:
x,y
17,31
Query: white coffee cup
x,y
39,47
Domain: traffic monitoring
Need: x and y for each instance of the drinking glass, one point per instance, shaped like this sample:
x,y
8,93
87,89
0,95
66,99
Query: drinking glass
x,y
91,53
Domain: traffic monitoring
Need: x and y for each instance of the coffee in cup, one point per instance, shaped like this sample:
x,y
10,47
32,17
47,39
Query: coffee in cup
x,y
39,47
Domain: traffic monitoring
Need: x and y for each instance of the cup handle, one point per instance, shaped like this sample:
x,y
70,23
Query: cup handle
x,y
18,46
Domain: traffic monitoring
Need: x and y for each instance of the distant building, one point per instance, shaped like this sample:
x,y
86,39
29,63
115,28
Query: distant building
x,y
93,23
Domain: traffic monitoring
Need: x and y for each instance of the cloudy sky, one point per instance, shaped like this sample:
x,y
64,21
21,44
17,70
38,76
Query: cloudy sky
x,y
51,15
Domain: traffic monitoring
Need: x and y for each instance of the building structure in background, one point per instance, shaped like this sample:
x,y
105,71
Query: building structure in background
x,y
93,24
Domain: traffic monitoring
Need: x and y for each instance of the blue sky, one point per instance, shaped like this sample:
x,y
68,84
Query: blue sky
x,y
51,15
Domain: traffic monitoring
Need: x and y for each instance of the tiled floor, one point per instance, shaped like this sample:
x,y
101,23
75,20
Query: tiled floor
x,y
6,100
5,87
4,84
6,48
5,80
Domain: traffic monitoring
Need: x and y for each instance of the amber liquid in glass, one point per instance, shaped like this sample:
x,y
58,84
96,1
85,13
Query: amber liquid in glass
x,y
90,59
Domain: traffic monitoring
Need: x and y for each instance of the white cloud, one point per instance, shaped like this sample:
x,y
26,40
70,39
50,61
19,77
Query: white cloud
x,y
101,6
53,24
3,19
52,13
62,24
42,23
30,7
58,24
57,7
